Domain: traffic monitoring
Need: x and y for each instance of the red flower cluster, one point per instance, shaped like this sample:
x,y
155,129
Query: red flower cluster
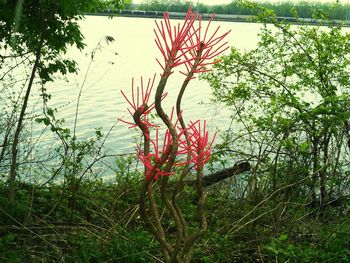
x,y
203,48
199,147
152,160
184,43
170,40
139,102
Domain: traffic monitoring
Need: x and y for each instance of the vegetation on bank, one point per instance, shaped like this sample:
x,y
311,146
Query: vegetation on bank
x,y
103,225
290,122
304,9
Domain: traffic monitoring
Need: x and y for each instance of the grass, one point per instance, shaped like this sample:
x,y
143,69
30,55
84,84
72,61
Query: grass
x,y
102,224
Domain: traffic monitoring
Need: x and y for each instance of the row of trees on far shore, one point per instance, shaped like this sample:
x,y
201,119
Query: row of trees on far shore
x,y
304,9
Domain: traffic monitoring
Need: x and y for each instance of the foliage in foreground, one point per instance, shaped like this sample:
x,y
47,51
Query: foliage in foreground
x,y
291,97
104,226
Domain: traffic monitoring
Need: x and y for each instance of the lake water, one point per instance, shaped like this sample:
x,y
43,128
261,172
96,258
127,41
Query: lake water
x,y
132,54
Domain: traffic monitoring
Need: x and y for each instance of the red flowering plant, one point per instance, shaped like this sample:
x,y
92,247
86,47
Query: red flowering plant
x,y
190,46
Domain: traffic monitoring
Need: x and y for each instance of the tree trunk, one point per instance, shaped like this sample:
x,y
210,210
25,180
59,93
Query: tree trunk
x,y
314,168
14,149
323,173
216,177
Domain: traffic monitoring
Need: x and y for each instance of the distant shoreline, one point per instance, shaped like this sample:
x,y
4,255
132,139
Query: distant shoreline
x,y
218,17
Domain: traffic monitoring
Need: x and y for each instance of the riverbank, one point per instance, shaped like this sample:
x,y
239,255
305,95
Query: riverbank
x,y
100,222
218,17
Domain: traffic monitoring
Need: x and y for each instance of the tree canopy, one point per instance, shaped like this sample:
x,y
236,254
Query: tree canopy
x,y
25,24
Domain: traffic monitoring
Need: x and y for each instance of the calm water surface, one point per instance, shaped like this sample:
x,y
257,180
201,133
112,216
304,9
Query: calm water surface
x,y
132,54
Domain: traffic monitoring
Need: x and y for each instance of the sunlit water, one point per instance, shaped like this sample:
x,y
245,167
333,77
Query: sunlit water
x,y
132,54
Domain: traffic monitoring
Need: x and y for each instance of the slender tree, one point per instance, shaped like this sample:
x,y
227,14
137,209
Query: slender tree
x,y
44,30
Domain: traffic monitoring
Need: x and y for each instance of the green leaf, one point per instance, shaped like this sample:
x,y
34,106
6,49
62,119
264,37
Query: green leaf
x,y
283,237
